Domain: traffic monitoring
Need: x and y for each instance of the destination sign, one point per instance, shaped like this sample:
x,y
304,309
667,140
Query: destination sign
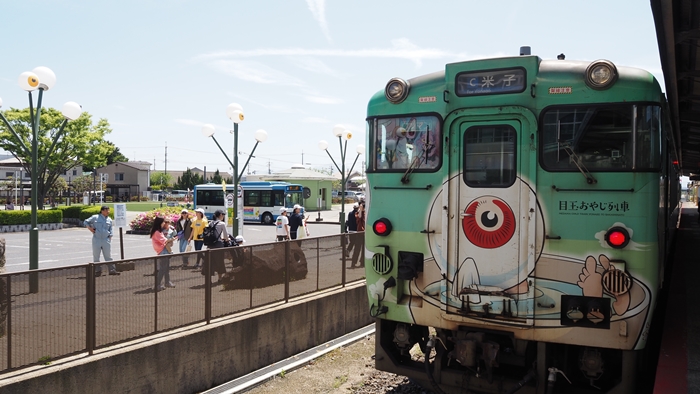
x,y
490,82
294,188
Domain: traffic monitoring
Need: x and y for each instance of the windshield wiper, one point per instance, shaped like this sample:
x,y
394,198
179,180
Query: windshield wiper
x,y
415,163
578,163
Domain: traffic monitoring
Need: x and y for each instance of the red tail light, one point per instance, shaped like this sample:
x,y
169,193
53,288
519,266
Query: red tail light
x,y
382,227
617,237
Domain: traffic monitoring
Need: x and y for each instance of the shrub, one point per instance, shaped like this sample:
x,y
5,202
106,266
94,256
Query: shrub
x,y
90,210
108,199
145,220
71,211
144,198
25,217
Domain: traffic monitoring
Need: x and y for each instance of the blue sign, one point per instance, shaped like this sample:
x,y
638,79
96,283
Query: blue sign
x,y
490,82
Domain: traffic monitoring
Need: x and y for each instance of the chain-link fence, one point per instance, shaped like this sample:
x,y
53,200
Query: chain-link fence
x,y
76,310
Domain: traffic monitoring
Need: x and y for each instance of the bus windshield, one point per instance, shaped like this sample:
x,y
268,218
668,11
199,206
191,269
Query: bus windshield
x,y
294,198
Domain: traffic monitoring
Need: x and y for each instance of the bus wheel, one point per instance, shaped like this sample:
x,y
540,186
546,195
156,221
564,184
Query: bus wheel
x,y
267,218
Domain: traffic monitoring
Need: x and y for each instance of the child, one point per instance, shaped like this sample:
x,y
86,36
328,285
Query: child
x,y
169,233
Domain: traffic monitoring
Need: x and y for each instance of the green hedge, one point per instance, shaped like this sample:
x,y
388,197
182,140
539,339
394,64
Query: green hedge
x,y
55,215
25,217
71,211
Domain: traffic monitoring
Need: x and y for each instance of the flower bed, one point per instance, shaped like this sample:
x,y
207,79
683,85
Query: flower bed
x,y
142,224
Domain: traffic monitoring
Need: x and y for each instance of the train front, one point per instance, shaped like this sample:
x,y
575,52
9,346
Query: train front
x,y
517,212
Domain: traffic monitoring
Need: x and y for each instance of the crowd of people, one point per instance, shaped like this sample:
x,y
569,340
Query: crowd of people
x,y
189,231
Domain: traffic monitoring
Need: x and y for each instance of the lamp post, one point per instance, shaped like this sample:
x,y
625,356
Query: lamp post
x,y
343,135
235,113
41,78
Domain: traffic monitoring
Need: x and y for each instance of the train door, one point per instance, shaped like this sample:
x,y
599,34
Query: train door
x,y
491,227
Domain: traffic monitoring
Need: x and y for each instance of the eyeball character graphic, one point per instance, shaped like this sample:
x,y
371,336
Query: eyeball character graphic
x,y
488,222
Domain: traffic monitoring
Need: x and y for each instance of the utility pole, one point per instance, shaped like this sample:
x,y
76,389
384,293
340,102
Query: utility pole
x,y
166,157
269,170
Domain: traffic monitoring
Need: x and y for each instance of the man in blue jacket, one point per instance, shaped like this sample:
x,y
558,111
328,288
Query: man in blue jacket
x,y
100,226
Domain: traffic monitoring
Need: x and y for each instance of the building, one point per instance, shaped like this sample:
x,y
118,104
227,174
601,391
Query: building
x,y
20,187
126,179
320,185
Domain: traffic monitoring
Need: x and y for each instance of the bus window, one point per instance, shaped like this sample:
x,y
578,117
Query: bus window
x,y
279,198
403,142
251,198
294,199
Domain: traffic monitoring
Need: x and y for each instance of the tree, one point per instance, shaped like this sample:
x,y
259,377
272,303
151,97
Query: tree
x,y
216,178
58,187
81,143
160,180
8,185
188,180
84,184
114,157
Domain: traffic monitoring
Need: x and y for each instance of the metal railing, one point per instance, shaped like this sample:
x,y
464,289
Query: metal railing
x,y
76,312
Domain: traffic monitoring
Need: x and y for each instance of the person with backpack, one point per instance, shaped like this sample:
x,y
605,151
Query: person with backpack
x,y
213,236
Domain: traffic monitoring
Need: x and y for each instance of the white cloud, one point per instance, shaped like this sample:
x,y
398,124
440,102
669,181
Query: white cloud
x,y
313,119
401,48
314,65
322,99
318,10
189,122
254,72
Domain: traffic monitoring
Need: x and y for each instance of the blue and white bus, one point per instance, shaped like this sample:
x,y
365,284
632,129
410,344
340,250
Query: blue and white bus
x,y
261,200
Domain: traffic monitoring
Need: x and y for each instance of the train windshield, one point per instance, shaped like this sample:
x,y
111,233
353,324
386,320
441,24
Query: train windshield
x,y
404,142
601,138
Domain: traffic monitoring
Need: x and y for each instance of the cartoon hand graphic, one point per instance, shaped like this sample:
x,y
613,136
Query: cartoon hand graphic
x,y
591,282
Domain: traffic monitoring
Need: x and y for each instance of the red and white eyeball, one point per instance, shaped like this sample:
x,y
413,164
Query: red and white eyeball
x,y
488,222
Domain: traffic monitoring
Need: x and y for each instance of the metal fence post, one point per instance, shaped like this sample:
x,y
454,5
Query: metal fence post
x,y
155,292
318,262
287,255
207,287
9,321
344,247
250,275
90,305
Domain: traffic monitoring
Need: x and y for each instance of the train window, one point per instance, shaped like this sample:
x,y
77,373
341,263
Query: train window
x,y
489,156
406,142
601,138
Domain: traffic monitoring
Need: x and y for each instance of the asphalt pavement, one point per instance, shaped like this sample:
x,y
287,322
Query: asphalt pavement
x,y
72,245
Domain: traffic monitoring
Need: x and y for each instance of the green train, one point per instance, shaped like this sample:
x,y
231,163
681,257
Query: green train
x,y
520,215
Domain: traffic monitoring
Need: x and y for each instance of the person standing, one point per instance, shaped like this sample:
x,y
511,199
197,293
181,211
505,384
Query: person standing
x,y
100,226
357,237
282,224
183,226
295,222
217,260
351,227
197,227
160,244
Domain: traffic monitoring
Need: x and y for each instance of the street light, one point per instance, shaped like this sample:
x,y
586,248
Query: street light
x,y
41,78
235,113
342,134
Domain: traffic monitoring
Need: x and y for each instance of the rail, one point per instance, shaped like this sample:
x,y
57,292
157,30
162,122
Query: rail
x,y
74,312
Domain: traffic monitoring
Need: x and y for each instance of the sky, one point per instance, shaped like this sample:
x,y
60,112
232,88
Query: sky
x,y
159,70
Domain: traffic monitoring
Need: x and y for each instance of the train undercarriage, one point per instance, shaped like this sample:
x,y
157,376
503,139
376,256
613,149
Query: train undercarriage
x,y
486,361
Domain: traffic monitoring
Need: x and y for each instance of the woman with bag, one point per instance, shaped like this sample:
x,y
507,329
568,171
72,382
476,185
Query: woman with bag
x,y
197,228
160,244
183,226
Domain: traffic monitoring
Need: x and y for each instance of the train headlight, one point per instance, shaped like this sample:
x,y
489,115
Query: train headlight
x,y
601,74
617,237
396,90
382,227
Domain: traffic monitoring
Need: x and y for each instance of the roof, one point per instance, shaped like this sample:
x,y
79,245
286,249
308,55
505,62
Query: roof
x,y
678,34
298,173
